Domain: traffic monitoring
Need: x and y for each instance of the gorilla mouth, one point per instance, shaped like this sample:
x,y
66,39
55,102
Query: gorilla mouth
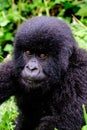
x,y
33,84
28,80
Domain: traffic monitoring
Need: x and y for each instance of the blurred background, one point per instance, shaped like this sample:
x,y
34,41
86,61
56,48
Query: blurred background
x,y
14,12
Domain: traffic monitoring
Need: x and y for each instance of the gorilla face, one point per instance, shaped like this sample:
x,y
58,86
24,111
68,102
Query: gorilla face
x,y
34,64
39,67
43,49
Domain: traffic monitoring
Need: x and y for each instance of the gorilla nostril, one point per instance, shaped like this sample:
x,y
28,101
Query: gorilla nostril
x,y
27,66
34,69
31,67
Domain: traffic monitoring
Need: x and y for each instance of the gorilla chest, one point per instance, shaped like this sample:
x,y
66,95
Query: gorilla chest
x,y
34,106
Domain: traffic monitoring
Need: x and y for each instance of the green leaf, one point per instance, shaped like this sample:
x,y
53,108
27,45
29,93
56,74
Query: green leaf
x,y
1,34
85,114
84,127
59,1
8,48
3,19
82,11
8,36
55,129
1,58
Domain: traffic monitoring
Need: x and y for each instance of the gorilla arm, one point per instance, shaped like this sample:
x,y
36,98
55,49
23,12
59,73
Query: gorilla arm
x,y
60,122
7,84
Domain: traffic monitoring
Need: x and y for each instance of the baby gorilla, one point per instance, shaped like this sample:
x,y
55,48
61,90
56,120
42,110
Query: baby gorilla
x,y
47,76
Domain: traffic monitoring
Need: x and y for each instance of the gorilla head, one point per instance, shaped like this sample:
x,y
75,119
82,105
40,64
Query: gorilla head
x,y
43,46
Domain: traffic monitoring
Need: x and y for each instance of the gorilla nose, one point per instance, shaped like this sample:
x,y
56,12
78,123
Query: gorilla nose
x,y
32,66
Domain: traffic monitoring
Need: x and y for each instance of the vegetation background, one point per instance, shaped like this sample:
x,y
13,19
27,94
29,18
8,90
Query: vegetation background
x,y
13,12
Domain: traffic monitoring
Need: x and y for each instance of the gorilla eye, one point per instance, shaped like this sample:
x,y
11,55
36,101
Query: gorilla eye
x,y
42,55
27,52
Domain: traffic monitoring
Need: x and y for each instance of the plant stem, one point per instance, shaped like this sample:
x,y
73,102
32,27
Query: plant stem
x,y
47,9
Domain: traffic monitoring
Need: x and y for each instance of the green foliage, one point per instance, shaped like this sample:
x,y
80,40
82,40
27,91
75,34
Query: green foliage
x,y
8,113
9,20
80,34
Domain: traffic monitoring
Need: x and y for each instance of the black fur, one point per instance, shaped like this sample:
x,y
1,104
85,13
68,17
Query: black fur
x,y
56,102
